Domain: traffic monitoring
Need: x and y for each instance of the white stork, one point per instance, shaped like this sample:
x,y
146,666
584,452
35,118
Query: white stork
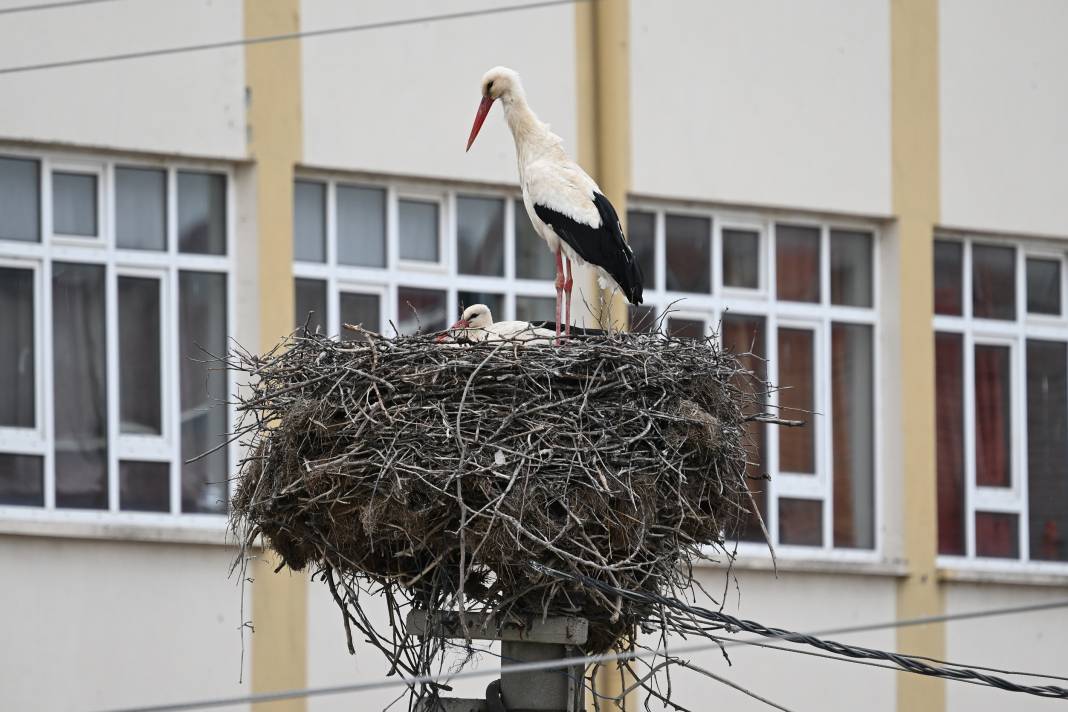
x,y
565,205
476,324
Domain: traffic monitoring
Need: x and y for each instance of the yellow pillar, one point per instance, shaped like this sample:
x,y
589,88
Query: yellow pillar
x,y
916,181
273,73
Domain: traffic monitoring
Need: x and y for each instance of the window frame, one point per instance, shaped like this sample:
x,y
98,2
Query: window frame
x,y
103,174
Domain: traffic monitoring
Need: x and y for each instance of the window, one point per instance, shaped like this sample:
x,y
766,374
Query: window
x,y
110,316
1001,378
798,300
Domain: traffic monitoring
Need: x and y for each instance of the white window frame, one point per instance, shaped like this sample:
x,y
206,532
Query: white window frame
x,y
167,264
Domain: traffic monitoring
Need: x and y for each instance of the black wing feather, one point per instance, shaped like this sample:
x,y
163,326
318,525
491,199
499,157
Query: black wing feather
x,y
603,246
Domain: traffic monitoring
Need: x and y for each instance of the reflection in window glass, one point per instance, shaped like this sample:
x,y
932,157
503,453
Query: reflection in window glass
x,y
361,226
744,335
532,257
20,200
997,535
21,480
949,402
359,310
851,268
741,258
852,402
948,284
80,386
801,521
480,236
993,282
685,328
993,416
642,318
1047,449
141,208
688,253
144,486
418,230
202,213
17,353
536,309
140,376
310,307
797,446
309,221
1043,286
797,263
641,236
421,310
202,331
495,302
74,204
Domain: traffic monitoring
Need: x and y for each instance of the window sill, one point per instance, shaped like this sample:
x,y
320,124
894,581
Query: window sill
x,y
210,531
1020,577
811,565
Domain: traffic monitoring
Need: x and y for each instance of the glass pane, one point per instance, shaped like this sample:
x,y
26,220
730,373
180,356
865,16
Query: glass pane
x,y
1043,286
359,310
361,226
310,309
744,335
495,302
202,331
851,268
642,319
421,310
80,386
688,253
480,236
948,282
993,416
141,208
741,258
532,257
1047,449
800,522
20,200
797,446
536,309
21,480
202,213
686,328
74,204
309,221
949,433
853,405
997,535
641,236
419,230
17,354
797,263
144,486
140,377
993,282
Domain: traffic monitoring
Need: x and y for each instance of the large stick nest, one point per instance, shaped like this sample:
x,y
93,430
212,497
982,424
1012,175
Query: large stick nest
x,y
440,473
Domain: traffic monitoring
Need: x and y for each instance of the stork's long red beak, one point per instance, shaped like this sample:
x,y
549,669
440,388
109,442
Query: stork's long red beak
x,y
459,324
480,118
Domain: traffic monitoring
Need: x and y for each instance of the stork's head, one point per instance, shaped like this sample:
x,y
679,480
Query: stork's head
x,y
498,83
476,316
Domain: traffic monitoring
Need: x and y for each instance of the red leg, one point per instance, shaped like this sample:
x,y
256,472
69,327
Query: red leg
x,y
568,282
559,288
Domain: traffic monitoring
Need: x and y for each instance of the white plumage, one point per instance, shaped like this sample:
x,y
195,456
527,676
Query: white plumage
x,y
476,324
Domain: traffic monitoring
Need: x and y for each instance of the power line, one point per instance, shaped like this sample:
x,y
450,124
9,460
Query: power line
x,y
283,37
582,660
49,6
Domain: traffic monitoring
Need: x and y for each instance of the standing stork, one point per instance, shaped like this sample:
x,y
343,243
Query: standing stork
x,y
565,205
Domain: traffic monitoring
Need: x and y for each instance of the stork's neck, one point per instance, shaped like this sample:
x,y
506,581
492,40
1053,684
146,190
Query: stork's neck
x,y
532,138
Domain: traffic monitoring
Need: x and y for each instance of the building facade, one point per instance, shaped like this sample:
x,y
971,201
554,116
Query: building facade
x,y
870,196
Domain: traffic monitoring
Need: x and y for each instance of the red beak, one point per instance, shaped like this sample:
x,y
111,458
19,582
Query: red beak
x,y
461,324
480,118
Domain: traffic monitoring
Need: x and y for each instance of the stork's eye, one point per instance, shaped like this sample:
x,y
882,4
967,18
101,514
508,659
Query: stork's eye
x,y
489,86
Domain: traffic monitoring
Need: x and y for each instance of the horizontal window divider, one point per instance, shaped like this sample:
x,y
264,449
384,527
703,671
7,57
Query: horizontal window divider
x,y
801,486
997,499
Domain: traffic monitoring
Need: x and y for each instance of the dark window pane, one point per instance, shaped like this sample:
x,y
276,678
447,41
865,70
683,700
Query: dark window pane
x,y
309,221
800,521
17,354
480,236
948,268
688,249
532,257
797,446
741,258
1043,286
993,416
310,306
21,480
686,328
144,486
361,226
1047,449
420,310
359,310
744,336
641,235
642,319
797,263
418,230
202,331
202,213
851,268
80,386
949,433
20,200
141,208
74,204
536,309
852,394
997,535
140,377
993,282
495,302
